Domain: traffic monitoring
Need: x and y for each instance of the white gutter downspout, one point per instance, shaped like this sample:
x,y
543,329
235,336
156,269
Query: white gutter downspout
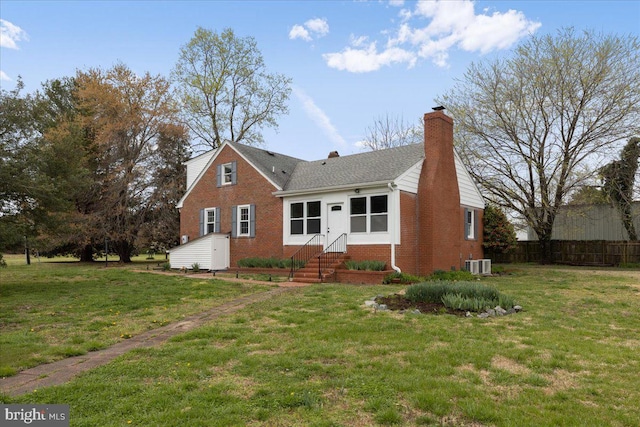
x,y
393,238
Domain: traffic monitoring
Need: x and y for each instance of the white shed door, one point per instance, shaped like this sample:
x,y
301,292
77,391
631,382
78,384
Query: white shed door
x,y
220,259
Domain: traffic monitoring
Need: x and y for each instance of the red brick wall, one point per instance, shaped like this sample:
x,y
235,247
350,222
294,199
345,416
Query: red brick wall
x,y
406,254
440,223
251,188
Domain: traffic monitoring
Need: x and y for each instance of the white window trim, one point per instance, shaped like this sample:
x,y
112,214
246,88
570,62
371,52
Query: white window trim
x,y
225,175
470,223
207,222
239,220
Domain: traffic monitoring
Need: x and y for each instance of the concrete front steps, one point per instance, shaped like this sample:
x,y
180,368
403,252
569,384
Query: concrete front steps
x,y
309,273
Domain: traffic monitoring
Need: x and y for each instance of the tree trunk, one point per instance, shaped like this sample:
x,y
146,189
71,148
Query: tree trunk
x,y
86,255
544,239
124,250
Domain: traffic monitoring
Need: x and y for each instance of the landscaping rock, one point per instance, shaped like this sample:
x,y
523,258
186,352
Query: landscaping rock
x,y
370,303
382,307
483,315
500,311
517,308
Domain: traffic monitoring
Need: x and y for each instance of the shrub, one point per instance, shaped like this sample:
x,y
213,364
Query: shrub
x,y
195,267
166,266
499,235
459,295
3,263
256,262
426,292
371,265
456,275
402,278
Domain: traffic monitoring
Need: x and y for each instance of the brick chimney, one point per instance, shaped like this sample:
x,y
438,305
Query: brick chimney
x,y
440,227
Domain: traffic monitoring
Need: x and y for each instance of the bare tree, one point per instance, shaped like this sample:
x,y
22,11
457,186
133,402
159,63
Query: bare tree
x,y
388,132
532,127
225,90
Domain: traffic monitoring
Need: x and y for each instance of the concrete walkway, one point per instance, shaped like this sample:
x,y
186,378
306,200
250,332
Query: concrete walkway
x,y
64,370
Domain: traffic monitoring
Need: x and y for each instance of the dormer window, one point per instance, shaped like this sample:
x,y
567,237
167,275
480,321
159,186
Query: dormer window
x,y
226,174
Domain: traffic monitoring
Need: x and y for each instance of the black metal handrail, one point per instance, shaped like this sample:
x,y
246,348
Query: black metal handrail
x,y
307,251
337,248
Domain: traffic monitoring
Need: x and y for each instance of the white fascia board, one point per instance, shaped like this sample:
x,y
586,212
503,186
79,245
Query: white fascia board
x,y
332,189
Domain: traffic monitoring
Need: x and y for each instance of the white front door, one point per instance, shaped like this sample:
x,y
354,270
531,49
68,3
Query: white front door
x,y
336,222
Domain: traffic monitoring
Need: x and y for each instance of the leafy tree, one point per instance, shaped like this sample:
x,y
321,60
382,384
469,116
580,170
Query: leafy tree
x,y
127,117
530,126
225,89
388,132
118,132
619,178
35,176
499,233
160,230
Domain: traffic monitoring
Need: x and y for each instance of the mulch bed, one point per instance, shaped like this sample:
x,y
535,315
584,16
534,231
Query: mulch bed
x,y
397,302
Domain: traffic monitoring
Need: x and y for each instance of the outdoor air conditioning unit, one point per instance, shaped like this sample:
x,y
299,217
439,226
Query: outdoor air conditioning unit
x,y
485,266
472,266
184,239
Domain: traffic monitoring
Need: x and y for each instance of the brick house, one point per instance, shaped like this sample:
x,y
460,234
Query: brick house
x,y
414,207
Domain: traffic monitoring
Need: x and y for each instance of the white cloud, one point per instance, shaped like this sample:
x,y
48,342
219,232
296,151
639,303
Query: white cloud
x,y
299,32
11,34
450,25
3,76
313,28
319,117
318,26
366,59
396,2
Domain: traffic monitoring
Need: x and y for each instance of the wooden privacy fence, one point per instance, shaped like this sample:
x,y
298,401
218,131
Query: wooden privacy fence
x,y
575,252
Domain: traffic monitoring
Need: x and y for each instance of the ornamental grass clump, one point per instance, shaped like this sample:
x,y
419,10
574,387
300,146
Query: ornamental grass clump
x,y
469,296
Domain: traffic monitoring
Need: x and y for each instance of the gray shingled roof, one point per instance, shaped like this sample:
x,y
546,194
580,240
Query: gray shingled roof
x,y
278,167
293,174
355,169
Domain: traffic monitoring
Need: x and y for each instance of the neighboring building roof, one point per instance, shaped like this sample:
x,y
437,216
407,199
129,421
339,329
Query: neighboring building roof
x,y
363,168
278,167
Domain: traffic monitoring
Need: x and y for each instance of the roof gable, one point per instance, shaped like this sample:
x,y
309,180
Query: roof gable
x,y
275,167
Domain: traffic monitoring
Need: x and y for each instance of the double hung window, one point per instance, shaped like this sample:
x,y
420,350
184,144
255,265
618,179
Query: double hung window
x,y
243,221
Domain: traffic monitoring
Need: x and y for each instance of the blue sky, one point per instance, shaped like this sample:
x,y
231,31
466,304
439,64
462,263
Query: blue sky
x,y
350,61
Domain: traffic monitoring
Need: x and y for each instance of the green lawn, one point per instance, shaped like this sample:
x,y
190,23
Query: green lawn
x,y
317,357
53,310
